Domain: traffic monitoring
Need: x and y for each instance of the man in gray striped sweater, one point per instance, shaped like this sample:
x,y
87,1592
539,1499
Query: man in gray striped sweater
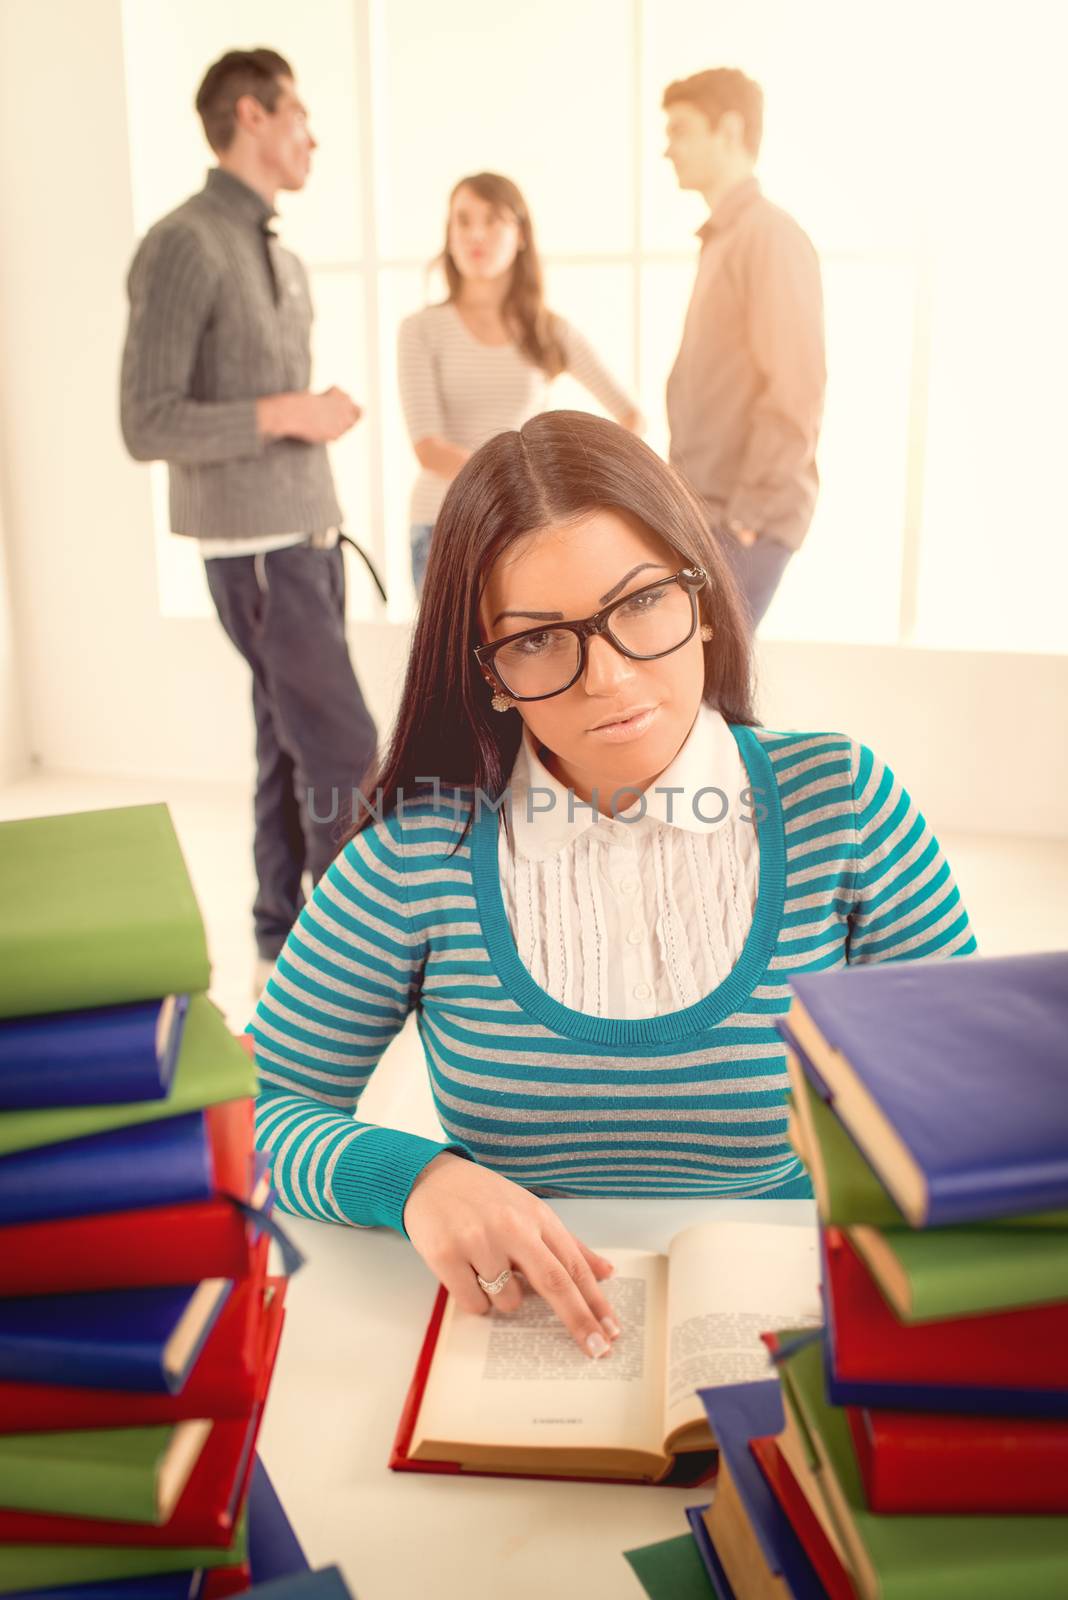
x,y
215,380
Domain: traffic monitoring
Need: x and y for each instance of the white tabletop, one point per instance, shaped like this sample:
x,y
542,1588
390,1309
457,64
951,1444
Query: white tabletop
x,y
356,1315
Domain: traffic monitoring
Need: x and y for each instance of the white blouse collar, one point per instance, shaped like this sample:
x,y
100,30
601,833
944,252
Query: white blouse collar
x,y
546,819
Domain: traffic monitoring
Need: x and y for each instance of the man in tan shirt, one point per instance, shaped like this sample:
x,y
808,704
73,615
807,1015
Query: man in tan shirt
x,y
745,396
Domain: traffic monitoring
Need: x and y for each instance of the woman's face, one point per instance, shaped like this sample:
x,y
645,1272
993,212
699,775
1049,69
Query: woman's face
x,y
483,241
624,721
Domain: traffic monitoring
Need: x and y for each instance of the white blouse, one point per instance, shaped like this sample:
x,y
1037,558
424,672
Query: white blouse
x,y
633,918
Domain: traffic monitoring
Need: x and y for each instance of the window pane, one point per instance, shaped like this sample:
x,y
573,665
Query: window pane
x,y
599,302
542,93
845,582
169,47
840,148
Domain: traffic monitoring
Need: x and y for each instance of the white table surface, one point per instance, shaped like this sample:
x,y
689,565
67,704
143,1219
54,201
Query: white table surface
x,y
356,1315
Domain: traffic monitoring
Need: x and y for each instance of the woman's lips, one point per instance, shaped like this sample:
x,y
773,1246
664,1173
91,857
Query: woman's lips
x,y
629,728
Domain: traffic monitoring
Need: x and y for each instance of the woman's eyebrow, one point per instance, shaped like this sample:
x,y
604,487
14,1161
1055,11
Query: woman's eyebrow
x,y
558,616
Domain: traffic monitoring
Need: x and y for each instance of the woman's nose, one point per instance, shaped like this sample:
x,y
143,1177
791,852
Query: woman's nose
x,y
606,668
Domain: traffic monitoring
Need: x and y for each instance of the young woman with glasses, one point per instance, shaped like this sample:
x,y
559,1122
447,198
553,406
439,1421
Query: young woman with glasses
x,y
483,360
592,876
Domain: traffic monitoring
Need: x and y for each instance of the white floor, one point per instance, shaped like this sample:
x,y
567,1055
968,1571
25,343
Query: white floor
x,y
1016,891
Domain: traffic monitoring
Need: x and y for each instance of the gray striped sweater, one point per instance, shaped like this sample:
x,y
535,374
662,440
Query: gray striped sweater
x,y
220,315
689,1102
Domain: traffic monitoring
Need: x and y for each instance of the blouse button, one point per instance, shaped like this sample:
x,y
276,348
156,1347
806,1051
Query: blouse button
x,y
635,936
642,991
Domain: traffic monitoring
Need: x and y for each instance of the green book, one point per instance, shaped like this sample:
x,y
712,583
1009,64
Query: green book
x,y
917,1557
960,1272
44,1566
212,1067
96,908
118,1474
847,1190
671,1570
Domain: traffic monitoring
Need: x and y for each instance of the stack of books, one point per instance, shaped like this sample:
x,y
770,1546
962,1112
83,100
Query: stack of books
x,y
138,1325
917,1444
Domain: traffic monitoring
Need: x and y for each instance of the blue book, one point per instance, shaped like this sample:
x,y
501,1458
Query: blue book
x,y
164,1586
111,1055
274,1550
125,1169
140,1340
719,1580
951,1076
737,1413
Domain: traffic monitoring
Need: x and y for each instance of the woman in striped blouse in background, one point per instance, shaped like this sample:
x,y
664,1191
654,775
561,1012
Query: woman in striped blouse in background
x,y
483,360
595,976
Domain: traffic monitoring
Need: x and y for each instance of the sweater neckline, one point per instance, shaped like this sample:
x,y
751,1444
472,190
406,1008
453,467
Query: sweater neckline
x,y
726,998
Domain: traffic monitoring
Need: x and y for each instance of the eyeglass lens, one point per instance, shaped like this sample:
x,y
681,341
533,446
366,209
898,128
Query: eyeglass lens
x,y
652,624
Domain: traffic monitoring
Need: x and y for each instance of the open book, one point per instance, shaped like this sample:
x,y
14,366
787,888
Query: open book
x,y
514,1393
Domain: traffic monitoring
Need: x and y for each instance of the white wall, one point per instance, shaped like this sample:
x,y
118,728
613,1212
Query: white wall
x,y
13,756
111,686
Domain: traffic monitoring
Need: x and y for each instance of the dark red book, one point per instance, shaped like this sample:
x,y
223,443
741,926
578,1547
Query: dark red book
x,y
791,1497
221,1385
222,1582
1002,1350
151,1247
211,1500
948,1465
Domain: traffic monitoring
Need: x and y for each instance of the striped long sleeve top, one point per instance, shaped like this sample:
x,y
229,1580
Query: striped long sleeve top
x,y
410,916
454,386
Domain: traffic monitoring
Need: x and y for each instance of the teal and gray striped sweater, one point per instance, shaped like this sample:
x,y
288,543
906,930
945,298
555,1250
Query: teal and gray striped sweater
x,y
690,1102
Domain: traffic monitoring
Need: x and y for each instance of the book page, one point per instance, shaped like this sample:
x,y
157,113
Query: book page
x,y
729,1282
520,1379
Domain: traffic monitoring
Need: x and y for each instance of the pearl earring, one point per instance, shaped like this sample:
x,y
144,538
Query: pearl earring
x,y
706,631
501,702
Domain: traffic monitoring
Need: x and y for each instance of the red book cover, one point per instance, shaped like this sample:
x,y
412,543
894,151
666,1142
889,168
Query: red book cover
x,y
1005,1349
153,1246
222,1383
948,1465
222,1582
209,1503
788,1492
401,1461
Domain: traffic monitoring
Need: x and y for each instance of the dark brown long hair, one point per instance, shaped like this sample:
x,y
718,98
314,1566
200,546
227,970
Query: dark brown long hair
x,y
557,468
524,309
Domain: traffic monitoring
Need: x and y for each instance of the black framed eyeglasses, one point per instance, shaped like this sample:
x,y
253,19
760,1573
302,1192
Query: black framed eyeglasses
x,y
650,622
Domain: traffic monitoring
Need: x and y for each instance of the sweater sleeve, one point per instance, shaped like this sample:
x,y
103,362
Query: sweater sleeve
x,y
346,979
418,379
906,906
171,287
585,365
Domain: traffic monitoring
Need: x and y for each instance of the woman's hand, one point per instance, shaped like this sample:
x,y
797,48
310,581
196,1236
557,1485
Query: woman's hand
x,y
465,1220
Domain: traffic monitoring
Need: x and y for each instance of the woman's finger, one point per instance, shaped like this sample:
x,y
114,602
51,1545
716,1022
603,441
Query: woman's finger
x,y
575,1258
552,1278
599,1265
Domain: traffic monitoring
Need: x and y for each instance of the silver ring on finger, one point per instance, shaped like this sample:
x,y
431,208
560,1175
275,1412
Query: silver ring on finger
x,y
494,1285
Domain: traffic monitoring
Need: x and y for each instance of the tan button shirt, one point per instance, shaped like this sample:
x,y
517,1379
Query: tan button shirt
x,y
745,396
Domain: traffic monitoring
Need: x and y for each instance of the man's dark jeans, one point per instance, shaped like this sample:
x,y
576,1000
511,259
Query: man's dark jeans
x,y
757,568
315,740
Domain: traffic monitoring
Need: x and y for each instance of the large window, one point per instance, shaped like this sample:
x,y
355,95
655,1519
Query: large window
x,y
918,147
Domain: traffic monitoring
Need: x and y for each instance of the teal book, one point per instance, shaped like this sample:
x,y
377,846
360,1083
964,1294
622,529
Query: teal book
x,y
96,909
212,1067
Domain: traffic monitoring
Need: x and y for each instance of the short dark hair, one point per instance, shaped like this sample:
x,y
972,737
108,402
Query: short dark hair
x,y
238,72
723,89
